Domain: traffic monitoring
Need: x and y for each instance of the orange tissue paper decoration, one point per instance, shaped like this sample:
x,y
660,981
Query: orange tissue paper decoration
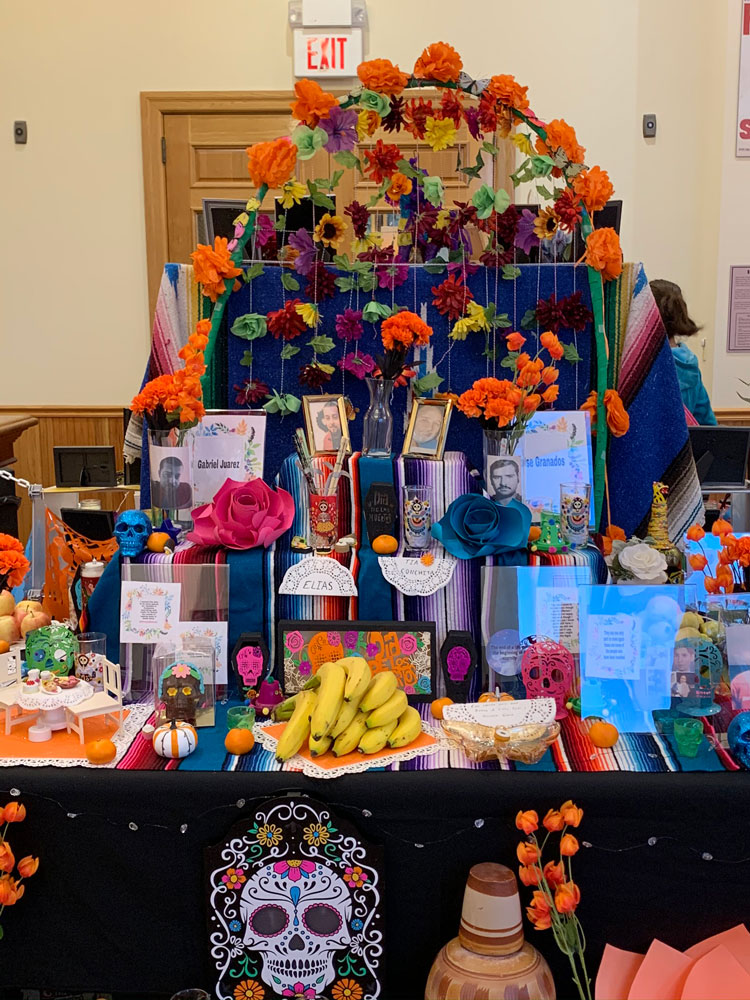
x,y
312,104
406,329
594,188
618,420
560,135
506,90
439,61
604,253
211,265
382,76
271,163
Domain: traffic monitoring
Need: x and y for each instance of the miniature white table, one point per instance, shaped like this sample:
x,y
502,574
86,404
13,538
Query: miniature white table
x,y
51,708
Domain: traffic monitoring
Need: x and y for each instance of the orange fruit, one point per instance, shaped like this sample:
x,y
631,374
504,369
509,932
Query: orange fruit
x,y
100,751
4,646
239,741
603,734
384,545
436,708
157,541
488,696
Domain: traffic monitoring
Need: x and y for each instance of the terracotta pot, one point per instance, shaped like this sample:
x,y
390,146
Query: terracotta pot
x,y
490,960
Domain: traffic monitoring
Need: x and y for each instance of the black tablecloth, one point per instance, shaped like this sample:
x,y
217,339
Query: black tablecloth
x,y
120,909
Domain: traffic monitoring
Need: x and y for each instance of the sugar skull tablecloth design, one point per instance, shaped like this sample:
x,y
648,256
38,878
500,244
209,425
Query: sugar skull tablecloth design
x,y
295,906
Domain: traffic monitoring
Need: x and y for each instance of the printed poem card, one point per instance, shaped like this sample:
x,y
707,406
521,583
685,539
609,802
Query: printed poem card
x,y
148,611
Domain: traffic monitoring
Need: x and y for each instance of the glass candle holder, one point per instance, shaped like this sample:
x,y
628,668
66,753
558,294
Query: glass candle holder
x,y
575,501
417,519
241,717
323,521
688,735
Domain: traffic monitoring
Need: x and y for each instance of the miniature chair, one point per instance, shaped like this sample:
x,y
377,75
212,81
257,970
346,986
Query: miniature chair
x,y
10,678
107,702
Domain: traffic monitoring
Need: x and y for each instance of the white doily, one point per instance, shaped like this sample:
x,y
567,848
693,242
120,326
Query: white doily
x,y
134,723
313,770
504,713
40,701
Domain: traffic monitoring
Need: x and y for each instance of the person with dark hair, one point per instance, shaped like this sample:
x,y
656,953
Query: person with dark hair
x,y
329,421
678,324
169,492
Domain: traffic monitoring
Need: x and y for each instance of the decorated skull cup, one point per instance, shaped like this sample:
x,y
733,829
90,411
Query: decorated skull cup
x,y
181,689
52,647
131,531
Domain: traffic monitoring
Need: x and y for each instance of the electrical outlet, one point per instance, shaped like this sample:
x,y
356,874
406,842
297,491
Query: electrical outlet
x,y
20,132
649,126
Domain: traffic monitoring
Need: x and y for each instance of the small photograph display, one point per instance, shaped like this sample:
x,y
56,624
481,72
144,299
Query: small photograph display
x,y
503,475
557,450
428,428
327,424
171,477
406,648
632,660
226,445
738,659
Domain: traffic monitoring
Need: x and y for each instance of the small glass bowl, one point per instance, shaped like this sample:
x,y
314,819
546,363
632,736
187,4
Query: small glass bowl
x,y
241,717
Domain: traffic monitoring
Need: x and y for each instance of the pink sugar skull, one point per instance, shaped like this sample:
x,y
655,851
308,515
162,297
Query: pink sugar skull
x,y
548,671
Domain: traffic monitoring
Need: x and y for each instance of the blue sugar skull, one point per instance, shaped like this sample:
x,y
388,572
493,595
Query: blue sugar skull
x,y
738,736
131,531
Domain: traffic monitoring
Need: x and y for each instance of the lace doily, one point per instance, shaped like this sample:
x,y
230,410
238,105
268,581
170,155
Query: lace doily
x,y
312,769
134,723
39,701
504,713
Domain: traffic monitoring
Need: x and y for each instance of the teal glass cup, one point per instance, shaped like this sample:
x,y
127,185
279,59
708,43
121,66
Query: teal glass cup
x,y
241,717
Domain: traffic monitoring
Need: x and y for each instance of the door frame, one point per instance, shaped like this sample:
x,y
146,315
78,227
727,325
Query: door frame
x,y
154,106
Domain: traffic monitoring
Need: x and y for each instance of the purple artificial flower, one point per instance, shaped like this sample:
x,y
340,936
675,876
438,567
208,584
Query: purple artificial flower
x,y
305,668
302,241
351,639
349,324
263,230
358,365
526,238
341,127
471,117
393,276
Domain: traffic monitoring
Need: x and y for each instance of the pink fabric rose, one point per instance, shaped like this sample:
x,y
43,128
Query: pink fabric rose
x,y
243,515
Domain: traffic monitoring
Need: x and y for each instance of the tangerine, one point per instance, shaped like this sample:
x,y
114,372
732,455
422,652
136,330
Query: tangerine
x,y
437,707
603,734
239,741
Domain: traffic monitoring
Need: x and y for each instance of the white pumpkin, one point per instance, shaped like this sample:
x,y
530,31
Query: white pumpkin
x,y
175,739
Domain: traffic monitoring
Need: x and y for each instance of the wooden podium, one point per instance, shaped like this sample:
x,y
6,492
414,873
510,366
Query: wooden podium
x,y
11,428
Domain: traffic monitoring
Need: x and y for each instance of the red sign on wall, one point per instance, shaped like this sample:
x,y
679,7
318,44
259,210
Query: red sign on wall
x,y
336,52
743,107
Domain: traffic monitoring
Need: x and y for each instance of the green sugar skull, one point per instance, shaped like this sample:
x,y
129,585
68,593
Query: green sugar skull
x,y
52,647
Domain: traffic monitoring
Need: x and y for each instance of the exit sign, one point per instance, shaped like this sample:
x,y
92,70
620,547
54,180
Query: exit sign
x,y
333,52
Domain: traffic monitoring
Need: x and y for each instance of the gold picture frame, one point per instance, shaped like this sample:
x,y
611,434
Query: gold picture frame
x,y
321,427
429,441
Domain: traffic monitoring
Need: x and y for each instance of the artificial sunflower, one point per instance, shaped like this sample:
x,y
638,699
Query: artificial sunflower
x,y
292,192
330,230
546,224
439,133
368,122
309,313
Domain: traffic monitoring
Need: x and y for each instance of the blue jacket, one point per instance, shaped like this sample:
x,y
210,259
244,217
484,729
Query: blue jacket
x,y
694,394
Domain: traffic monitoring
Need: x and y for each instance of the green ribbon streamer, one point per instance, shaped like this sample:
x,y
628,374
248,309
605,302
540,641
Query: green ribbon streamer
x,y
600,339
207,381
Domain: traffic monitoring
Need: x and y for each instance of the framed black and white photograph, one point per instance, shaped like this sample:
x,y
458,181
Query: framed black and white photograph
x,y
171,478
503,475
327,424
428,428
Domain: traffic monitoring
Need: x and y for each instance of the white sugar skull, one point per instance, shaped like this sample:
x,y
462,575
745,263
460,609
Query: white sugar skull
x,y
296,915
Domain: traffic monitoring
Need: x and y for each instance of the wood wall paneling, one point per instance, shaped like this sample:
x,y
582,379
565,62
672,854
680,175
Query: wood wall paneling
x,y
62,425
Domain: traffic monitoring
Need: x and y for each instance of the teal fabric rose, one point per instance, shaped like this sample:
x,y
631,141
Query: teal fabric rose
x,y
370,101
308,141
475,526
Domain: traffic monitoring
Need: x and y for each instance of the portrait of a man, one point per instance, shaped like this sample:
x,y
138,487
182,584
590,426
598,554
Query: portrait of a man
x,y
504,478
327,425
428,428
171,491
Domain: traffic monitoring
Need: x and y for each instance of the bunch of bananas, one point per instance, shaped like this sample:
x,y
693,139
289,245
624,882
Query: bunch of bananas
x,y
344,708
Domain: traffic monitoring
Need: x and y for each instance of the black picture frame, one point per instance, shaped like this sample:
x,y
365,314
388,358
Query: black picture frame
x,y
384,634
85,466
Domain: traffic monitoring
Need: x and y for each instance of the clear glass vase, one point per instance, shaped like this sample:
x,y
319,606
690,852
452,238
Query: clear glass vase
x,y
503,464
378,428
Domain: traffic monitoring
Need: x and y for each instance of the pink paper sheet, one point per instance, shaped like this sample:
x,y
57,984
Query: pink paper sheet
x,y
717,976
662,974
736,939
616,973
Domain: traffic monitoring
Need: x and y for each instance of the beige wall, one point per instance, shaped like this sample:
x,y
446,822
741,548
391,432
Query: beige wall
x,y
72,264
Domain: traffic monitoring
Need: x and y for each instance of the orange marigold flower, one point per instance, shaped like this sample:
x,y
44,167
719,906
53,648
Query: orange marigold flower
x,y
501,410
594,189
606,546
618,420
439,61
695,533
539,911
550,375
721,527
604,253
312,104
400,184
527,854
28,866
382,76
568,845
271,163
571,813
698,561
553,821
528,821
532,402
554,872
560,135
10,542
614,532
505,89
567,897
211,265
405,328
15,566
552,343
515,340
550,395
529,875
